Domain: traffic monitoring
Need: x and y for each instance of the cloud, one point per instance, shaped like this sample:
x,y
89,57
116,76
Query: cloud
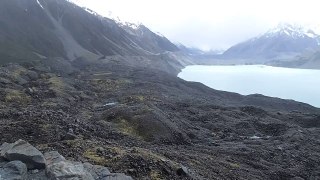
x,y
209,23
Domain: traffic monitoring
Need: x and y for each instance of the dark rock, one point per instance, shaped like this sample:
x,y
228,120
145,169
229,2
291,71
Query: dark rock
x,y
23,151
70,136
97,172
100,150
14,170
32,75
182,171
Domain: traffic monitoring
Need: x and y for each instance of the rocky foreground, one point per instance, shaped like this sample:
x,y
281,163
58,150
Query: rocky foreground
x,y
21,161
149,124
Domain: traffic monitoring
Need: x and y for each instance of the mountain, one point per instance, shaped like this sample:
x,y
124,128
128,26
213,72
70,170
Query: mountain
x,y
33,29
284,41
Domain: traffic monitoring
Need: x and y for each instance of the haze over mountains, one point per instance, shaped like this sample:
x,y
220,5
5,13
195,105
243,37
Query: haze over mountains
x,y
286,45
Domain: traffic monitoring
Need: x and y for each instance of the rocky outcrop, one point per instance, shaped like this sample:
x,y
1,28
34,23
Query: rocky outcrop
x,y
13,170
20,156
23,151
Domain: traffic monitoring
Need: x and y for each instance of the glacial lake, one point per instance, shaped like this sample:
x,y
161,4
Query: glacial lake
x,y
297,84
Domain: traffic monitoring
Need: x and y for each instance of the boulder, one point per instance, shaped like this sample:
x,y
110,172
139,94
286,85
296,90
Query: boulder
x,y
67,170
183,171
70,136
97,172
14,170
59,168
117,176
53,157
23,151
23,156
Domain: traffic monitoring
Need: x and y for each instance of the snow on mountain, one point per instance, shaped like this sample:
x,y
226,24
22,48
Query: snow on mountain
x,y
292,30
285,40
40,4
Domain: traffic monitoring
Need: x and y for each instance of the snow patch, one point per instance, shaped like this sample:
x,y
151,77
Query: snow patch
x,y
90,11
40,4
159,34
292,30
111,104
255,137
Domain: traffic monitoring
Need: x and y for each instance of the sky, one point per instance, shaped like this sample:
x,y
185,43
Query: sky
x,y
209,24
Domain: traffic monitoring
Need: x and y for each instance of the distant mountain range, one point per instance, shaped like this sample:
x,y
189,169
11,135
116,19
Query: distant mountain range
x,y
283,42
33,29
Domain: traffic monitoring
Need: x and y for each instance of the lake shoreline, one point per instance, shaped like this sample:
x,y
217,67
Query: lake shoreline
x,y
281,82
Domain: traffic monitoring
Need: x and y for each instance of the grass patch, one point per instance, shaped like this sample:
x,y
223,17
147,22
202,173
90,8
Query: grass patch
x,y
17,96
94,157
128,128
155,175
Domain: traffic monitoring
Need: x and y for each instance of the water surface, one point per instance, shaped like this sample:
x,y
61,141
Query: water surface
x,y
298,84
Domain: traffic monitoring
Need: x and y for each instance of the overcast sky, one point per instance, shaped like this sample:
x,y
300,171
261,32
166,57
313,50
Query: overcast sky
x,y
209,24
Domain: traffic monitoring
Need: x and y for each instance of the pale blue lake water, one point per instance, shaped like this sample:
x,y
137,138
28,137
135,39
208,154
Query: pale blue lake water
x,y
298,84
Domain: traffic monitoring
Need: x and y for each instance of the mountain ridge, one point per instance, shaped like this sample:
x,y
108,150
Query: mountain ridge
x,y
281,42
50,31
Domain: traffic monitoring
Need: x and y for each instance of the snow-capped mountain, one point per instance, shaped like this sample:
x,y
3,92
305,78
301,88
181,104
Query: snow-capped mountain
x,y
294,31
283,41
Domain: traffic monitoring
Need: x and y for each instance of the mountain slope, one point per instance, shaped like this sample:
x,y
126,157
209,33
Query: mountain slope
x,y
282,42
57,28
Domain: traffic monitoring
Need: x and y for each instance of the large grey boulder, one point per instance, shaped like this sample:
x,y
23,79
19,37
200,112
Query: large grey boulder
x,y
59,168
117,176
23,151
23,156
68,170
97,172
14,170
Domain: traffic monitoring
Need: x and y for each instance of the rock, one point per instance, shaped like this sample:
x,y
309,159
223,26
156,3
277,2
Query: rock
x,y
97,172
117,176
23,151
3,149
297,178
32,75
67,170
70,136
100,150
182,171
59,168
14,170
53,157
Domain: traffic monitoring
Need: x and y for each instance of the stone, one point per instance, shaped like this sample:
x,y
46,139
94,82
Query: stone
x,y
4,148
117,176
97,172
67,170
182,171
70,135
23,151
14,170
59,168
53,157
100,150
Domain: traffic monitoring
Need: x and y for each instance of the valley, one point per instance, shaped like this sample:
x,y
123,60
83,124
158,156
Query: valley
x,y
106,93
